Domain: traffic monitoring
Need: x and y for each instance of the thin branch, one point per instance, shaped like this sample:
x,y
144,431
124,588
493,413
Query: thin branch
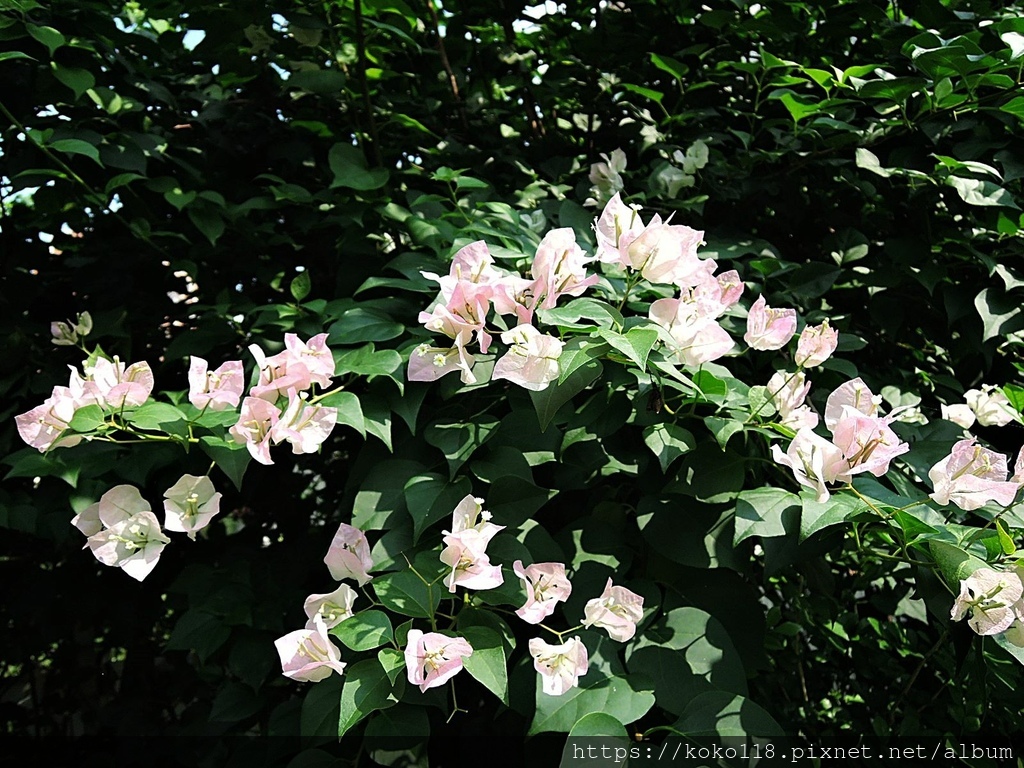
x,y
453,83
367,103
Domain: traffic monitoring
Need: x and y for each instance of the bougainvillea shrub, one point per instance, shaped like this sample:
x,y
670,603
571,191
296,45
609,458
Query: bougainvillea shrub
x,y
662,398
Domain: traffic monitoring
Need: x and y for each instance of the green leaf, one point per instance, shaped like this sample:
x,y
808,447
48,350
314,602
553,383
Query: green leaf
x,y
458,440
954,563
723,428
121,180
156,416
869,161
468,182
178,198
984,193
717,715
577,353
1006,542
431,497
647,93
77,147
87,418
77,79
404,727
301,285
233,703
636,343
366,361
675,68
48,36
325,82
362,324
367,689
198,631
625,699
364,631
7,55
816,515
759,512
210,418
231,457
549,400
1000,313
318,719
668,442
712,386
350,170
350,412
392,660
207,221
1013,393
406,593
487,664
570,314
602,732
687,652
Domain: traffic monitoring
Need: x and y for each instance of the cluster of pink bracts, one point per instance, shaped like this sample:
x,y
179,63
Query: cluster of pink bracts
x,y
123,532
433,658
862,441
277,408
657,251
995,601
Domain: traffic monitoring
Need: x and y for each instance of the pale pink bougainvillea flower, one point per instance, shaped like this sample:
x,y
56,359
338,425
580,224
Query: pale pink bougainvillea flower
x,y
769,328
546,585
348,557
255,423
278,374
991,406
121,386
216,390
332,608
816,345
130,537
308,655
464,314
617,227
691,337
532,360
43,426
853,394
960,414
470,514
190,504
788,391
606,177
814,460
558,268
472,263
971,476
867,443
432,659
313,355
667,253
306,426
617,611
427,363
470,567
560,666
992,597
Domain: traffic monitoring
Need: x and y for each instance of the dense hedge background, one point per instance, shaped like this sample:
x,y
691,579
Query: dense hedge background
x,y
201,176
